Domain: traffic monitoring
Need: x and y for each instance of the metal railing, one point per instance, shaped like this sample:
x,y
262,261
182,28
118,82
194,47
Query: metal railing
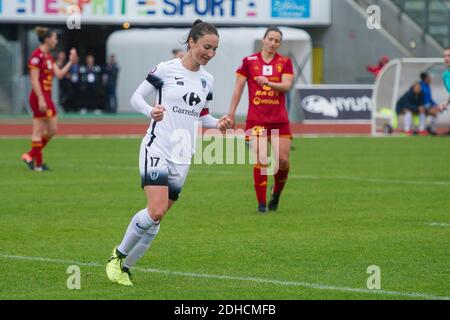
x,y
433,16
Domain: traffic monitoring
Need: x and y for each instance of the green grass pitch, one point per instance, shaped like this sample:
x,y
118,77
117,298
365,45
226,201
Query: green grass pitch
x,y
350,203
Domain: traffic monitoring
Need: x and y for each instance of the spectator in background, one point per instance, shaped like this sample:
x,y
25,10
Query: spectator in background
x,y
431,107
111,75
375,70
446,76
412,102
90,86
178,53
61,59
64,83
73,97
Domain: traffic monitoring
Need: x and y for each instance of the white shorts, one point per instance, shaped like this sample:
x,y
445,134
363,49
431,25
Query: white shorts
x,y
157,170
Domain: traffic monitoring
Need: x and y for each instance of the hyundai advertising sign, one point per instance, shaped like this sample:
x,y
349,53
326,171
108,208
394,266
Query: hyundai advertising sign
x,y
335,102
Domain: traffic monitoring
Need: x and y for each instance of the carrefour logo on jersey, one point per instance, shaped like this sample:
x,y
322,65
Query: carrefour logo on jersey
x,y
186,112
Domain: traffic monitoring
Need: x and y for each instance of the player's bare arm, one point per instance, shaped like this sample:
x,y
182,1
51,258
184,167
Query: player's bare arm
x,y
61,72
34,73
284,86
224,123
236,98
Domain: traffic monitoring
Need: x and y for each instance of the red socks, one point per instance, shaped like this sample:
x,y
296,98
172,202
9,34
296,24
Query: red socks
x,y
280,181
260,185
45,140
36,152
36,149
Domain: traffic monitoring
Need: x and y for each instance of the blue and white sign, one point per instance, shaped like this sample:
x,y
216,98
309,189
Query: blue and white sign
x,y
291,9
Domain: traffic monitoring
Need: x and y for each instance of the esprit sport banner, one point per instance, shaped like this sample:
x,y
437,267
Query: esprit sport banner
x,y
335,102
248,12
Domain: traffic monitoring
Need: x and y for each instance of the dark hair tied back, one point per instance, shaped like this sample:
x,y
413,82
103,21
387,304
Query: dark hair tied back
x,y
43,33
200,29
424,76
198,21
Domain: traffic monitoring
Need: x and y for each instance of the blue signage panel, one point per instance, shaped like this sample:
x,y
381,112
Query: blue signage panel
x,y
291,9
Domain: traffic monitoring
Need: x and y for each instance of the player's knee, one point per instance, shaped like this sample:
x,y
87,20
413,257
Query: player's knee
x,y
284,164
52,132
39,132
157,212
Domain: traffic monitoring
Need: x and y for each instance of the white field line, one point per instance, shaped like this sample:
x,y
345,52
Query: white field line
x,y
235,278
439,224
373,180
292,176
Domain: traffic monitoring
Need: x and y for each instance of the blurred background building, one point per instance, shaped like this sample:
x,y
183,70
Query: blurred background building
x,y
329,41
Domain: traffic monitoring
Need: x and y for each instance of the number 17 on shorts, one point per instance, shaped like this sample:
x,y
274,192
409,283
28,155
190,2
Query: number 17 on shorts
x,y
153,168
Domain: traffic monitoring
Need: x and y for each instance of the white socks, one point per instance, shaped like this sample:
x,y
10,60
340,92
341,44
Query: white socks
x,y
140,224
408,120
141,247
422,121
433,123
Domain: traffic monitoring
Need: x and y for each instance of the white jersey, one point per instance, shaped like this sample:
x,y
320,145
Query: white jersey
x,y
185,95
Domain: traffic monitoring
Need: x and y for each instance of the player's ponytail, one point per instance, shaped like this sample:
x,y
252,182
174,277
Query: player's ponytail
x,y
43,33
198,30
196,22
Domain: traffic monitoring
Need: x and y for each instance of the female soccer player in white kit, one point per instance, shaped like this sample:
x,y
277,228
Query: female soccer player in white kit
x,y
183,90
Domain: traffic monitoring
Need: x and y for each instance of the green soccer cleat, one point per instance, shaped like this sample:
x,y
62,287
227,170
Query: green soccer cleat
x,y
115,270
125,278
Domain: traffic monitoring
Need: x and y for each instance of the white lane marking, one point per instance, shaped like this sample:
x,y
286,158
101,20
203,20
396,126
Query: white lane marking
x,y
292,176
439,224
373,180
235,278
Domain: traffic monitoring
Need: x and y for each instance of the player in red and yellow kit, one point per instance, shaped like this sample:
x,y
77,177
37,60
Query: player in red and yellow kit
x,y
42,69
269,76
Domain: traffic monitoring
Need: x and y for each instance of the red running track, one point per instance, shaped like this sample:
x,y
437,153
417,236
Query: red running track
x,y
66,129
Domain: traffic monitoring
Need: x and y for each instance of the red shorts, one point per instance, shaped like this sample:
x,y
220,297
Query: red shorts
x,y
258,129
34,104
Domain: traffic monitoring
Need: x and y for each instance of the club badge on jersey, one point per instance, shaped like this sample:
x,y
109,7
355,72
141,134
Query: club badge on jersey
x,y
154,174
204,83
267,70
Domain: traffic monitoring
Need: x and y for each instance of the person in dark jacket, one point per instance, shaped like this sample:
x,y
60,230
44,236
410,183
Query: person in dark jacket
x,y
90,85
111,73
432,108
412,102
